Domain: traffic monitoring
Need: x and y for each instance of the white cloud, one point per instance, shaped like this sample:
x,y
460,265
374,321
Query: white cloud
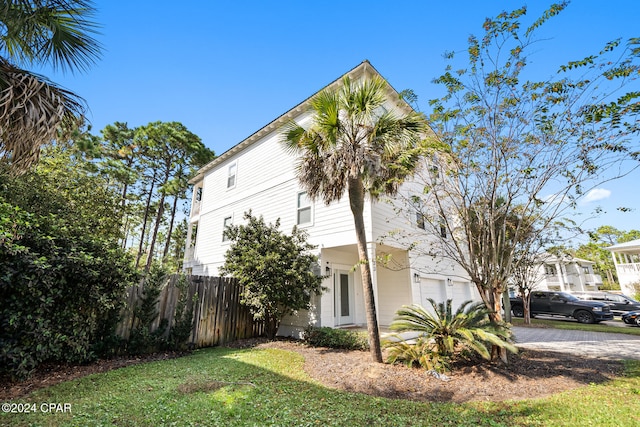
x,y
596,194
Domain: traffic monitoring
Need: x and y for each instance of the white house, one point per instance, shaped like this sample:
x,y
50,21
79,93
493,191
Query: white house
x,y
258,174
568,274
626,257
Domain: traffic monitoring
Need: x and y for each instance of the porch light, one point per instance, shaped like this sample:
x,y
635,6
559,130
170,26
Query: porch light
x,y
327,269
416,277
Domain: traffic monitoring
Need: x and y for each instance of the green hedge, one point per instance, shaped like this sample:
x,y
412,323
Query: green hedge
x,y
336,338
61,292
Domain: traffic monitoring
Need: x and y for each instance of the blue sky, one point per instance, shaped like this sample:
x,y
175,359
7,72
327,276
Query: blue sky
x,y
226,69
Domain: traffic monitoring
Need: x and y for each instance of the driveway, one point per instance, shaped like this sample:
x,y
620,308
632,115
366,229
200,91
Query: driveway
x,y
606,345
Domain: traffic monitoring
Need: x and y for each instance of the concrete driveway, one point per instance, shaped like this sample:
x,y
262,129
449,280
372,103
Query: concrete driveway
x,y
606,345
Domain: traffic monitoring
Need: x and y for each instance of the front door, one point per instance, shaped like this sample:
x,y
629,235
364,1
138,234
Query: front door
x,y
343,291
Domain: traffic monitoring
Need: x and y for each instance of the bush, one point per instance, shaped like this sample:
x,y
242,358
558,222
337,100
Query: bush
x,y
335,338
61,291
275,269
144,338
440,336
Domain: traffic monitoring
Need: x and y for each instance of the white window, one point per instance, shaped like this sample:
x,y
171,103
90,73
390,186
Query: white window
x,y
231,175
417,205
227,222
304,209
420,222
443,228
194,235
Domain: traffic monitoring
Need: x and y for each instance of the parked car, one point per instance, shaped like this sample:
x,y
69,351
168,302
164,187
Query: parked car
x,y
563,304
618,303
631,318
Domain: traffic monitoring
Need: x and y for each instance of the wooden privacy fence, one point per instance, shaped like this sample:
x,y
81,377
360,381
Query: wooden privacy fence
x,y
217,313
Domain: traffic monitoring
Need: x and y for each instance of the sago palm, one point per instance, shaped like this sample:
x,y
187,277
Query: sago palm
x,y
356,146
32,108
443,332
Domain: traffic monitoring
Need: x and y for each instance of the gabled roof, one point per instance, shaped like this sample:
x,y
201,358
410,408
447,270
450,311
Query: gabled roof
x,y
547,258
363,69
631,246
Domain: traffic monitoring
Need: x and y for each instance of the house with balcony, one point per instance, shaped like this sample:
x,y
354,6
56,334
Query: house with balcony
x,y
567,274
259,174
626,257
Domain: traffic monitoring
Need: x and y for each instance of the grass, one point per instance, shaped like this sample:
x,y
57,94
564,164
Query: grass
x,y
570,324
269,387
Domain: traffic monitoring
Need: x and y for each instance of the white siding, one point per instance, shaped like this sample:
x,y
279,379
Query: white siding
x,y
394,291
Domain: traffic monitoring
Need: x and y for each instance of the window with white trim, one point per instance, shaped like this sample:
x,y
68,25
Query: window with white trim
x,y
226,224
420,218
303,209
231,175
194,235
443,227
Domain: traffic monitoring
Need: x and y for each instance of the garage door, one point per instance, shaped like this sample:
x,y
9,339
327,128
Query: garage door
x,y
434,289
440,291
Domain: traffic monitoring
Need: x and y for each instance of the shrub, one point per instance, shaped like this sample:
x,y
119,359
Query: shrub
x,y
61,291
335,338
183,319
143,338
274,268
439,336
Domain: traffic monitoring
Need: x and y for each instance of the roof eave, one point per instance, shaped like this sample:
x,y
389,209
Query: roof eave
x,y
363,68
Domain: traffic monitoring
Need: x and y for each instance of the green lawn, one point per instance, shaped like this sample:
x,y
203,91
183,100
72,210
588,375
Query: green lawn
x,y
229,387
561,323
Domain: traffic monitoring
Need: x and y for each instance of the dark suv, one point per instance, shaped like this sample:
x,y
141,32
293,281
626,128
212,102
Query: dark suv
x,y
563,304
618,303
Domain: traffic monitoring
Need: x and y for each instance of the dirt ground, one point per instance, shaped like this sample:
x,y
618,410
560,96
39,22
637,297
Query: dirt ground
x,y
530,374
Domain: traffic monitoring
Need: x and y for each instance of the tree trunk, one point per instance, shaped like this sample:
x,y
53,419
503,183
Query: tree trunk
x,y
146,217
173,217
506,303
491,296
496,317
526,306
356,202
155,233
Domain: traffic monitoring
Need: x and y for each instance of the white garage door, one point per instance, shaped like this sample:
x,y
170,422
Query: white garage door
x,y
441,290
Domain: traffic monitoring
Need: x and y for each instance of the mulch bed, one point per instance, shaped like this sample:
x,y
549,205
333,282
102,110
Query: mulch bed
x,y
530,374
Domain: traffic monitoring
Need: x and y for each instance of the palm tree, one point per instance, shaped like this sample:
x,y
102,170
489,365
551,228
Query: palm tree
x,y
443,332
32,108
357,146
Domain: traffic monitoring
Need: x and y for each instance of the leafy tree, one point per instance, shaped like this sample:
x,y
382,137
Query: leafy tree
x,y
121,156
274,268
443,332
171,152
57,32
596,250
535,144
64,186
356,146
525,277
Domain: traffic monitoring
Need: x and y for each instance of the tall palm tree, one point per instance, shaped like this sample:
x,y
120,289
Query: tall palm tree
x,y
355,145
32,108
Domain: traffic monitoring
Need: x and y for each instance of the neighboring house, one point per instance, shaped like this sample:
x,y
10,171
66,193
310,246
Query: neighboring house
x,y
626,257
568,274
259,174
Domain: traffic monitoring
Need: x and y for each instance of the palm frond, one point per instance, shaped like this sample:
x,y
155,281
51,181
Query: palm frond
x,y
448,331
352,137
32,111
50,31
